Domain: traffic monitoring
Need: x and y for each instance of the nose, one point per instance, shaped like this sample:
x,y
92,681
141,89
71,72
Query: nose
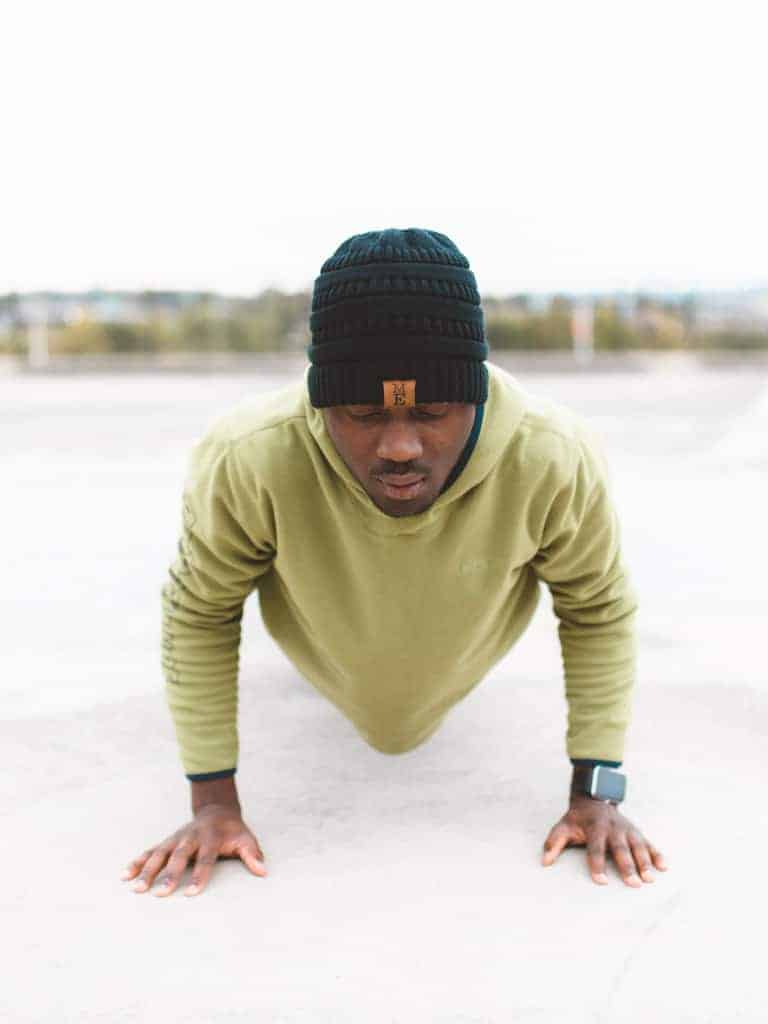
x,y
399,442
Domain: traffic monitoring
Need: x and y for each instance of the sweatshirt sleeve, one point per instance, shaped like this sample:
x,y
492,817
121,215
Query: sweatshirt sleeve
x,y
593,597
226,544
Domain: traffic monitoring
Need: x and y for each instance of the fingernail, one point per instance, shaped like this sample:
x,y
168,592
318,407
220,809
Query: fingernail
x,y
648,877
602,879
125,874
191,890
138,886
633,880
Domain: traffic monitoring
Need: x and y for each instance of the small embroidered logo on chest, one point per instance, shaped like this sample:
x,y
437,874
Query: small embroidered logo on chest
x,y
473,565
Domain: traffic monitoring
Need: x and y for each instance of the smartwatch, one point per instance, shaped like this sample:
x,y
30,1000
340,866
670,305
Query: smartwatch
x,y
599,782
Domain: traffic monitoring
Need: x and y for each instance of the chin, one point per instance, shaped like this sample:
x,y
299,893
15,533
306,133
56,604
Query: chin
x,y
398,510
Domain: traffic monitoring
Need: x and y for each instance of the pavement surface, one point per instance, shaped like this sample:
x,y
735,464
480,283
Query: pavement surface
x,y
400,889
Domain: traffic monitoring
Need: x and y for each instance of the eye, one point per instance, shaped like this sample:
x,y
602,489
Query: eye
x,y
365,415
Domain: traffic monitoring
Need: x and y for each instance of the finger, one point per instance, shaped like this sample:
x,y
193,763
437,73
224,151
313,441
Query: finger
x,y
555,843
204,861
658,857
136,865
623,857
596,857
151,868
170,878
642,856
253,859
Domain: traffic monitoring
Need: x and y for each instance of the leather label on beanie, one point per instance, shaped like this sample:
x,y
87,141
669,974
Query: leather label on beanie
x,y
399,392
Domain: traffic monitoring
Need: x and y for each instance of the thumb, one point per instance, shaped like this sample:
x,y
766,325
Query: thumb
x,y
555,843
252,862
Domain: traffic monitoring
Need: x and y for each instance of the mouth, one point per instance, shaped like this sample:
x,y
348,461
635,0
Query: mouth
x,y
402,488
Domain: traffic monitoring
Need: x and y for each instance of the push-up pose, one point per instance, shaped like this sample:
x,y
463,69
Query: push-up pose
x,y
396,509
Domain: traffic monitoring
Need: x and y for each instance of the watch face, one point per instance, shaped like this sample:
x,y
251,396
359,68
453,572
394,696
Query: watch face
x,y
611,785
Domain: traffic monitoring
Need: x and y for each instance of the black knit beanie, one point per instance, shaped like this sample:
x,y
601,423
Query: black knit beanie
x,y
396,319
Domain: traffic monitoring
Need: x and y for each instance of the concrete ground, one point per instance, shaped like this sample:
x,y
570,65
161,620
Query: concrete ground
x,y
400,889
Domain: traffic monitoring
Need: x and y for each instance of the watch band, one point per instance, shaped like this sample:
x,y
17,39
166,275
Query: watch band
x,y
586,780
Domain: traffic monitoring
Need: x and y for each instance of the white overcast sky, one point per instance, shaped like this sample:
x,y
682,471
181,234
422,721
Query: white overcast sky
x,y
234,146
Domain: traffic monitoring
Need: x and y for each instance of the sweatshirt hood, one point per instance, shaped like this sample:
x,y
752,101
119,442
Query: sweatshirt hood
x,y
504,410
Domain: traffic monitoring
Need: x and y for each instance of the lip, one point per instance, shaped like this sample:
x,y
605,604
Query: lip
x,y
404,487
402,480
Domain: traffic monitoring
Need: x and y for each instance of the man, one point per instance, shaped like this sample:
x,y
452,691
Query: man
x,y
397,510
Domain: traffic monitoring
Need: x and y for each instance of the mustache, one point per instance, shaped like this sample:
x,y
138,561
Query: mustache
x,y
400,469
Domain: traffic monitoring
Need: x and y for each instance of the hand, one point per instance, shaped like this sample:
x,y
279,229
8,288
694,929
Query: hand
x,y
599,825
217,830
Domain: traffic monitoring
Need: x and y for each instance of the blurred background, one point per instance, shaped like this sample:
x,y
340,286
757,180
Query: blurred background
x,y
115,330
172,178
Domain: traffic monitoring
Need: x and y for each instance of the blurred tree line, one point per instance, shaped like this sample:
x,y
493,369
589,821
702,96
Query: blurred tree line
x,y
274,321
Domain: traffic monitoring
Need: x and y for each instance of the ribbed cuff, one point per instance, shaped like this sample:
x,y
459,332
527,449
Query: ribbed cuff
x,y
438,379
592,761
225,773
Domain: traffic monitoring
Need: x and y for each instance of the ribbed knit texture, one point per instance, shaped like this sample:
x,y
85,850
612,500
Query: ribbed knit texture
x,y
397,304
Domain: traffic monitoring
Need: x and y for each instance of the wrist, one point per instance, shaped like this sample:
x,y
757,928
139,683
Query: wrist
x,y
214,791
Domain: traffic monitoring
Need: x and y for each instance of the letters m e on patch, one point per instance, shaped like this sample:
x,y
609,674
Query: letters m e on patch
x,y
399,393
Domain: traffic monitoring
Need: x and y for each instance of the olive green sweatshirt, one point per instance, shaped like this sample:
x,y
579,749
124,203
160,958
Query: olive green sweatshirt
x,y
395,619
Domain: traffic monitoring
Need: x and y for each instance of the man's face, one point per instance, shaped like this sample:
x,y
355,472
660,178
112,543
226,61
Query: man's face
x,y
415,447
